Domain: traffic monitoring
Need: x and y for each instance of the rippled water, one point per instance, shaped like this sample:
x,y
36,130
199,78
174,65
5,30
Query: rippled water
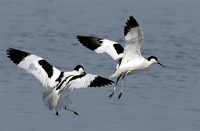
x,y
156,99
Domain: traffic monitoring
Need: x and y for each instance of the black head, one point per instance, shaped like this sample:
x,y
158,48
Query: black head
x,y
152,57
156,60
78,67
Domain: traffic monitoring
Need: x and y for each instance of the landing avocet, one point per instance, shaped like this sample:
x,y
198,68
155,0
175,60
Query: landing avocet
x,y
59,84
130,59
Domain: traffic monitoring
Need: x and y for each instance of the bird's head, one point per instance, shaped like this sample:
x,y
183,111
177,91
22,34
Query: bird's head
x,y
154,60
79,68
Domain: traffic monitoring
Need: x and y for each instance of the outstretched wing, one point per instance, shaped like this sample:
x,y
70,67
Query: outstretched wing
x,y
48,75
100,45
133,36
88,80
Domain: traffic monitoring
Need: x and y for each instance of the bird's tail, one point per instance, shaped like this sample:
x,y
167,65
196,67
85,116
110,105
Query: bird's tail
x,y
50,99
56,100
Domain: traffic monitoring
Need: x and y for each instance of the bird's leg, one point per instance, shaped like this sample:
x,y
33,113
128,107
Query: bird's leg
x,y
76,113
121,91
113,92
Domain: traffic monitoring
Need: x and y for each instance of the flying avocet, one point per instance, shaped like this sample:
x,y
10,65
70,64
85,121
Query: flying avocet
x,y
130,59
59,84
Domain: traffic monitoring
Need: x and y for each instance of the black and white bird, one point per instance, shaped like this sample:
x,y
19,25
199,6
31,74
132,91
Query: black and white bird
x,y
59,84
130,59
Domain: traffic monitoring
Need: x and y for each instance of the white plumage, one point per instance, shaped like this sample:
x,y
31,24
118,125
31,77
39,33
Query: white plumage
x,y
100,45
107,47
59,84
130,58
31,65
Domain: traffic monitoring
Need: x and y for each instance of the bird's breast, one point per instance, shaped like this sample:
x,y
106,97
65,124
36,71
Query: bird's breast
x,y
132,67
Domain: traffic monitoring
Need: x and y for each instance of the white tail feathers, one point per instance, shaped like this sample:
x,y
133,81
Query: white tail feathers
x,y
50,99
56,100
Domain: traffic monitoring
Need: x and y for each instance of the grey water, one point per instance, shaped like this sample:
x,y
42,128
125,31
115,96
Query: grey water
x,y
157,99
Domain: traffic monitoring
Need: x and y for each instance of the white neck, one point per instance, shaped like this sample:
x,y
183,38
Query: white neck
x,y
152,61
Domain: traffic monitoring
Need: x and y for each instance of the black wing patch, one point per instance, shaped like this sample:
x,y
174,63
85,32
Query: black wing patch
x,y
118,48
47,67
77,76
73,78
60,84
131,23
100,81
60,77
16,55
90,42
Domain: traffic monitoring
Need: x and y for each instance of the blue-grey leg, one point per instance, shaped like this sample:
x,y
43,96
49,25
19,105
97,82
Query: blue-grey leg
x,y
121,91
76,113
113,92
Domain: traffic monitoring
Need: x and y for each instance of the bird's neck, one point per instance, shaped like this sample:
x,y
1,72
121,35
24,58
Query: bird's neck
x,y
148,63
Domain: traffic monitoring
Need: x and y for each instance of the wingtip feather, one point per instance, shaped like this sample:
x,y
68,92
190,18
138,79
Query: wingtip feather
x,y
16,55
131,23
101,81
